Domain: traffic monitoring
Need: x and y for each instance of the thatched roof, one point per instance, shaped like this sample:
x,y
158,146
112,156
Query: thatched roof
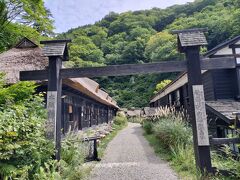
x,y
27,56
150,111
134,113
15,60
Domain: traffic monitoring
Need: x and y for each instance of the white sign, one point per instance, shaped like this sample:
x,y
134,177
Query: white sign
x,y
52,114
200,115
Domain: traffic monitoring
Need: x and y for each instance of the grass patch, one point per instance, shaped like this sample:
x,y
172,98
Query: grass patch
x,y
135,119
158,148
171,138
184,165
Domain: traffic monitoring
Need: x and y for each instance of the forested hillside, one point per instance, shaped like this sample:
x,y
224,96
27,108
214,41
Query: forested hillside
x,y
130,37
143,36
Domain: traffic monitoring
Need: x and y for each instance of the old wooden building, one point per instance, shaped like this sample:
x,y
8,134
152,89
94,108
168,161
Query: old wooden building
x,y
84,103
221,89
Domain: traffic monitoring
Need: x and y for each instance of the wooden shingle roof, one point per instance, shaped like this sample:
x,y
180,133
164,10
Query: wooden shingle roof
x,y
192,39
224,108
56,48
53,49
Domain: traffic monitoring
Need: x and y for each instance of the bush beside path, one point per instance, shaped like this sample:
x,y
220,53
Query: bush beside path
x,y
129,156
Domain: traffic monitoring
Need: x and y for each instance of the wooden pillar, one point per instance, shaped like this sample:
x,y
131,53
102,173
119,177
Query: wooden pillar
x,y
108,114
54,102
197,109
237,74
56,51
238,82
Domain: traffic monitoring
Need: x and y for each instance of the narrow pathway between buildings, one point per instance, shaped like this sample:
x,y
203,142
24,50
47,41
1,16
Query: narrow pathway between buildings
x,y
130,157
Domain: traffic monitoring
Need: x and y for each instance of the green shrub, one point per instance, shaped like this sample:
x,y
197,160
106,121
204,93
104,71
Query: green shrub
x,y
73,153
120,120
48,171
17,93
135,120
23,146
172,132
183,158
172,138
227,161
148,127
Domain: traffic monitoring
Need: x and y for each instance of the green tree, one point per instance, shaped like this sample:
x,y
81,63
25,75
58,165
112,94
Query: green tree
x,y
142,33
83,48
161,47
133,52
19,18
162,85
28,12
97,34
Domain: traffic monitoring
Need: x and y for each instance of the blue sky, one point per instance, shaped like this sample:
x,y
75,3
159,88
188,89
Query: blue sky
x,y
73,13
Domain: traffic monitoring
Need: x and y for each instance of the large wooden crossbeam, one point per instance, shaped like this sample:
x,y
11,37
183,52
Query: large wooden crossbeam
x,y
131,69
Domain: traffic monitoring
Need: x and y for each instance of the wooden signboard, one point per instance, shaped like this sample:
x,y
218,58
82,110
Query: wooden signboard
x,y
200,115
52,114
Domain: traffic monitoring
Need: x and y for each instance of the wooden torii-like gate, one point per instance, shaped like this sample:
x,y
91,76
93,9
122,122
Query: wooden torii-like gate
x,y
189,42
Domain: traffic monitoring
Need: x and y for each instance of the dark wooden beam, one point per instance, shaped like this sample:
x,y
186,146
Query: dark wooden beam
x,y
161,67
126,69
219,141
33,75
234,46
56,41
218,63
226,55
131,69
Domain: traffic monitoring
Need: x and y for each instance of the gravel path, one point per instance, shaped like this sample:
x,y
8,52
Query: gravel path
x,y
130,157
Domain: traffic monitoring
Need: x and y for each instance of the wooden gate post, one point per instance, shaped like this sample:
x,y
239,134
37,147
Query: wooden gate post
x,y
189,43
54,94
56,51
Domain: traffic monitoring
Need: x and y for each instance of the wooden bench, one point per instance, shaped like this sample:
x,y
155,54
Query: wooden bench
x,y
94,157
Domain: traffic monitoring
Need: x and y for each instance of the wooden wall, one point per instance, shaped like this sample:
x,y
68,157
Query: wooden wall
x,y
80,111
218,84
208,86
224,82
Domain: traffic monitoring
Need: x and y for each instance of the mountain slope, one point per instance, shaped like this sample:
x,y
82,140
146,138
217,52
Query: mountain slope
x,y
143,36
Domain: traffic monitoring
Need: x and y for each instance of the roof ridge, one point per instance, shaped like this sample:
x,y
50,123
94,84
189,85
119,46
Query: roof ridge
x,y
219,46
23,43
